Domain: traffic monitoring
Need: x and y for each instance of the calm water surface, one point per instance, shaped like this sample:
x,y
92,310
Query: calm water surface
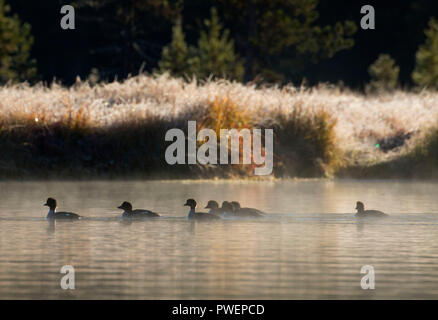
x,y
310,246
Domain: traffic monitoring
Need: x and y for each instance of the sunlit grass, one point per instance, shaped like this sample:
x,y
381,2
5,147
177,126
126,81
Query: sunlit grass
x,y
119,128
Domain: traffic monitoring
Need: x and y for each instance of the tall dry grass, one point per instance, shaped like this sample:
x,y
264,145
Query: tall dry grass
x,y
119,127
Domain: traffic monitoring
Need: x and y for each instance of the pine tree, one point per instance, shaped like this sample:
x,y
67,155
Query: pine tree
x,y
15,44
178,58
277,34
216,51
384,74
426,69
121,31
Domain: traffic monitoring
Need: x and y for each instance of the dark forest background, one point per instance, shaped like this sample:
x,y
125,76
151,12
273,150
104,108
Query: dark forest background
x,y
118,38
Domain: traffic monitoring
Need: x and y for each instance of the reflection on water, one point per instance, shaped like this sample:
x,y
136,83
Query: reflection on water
x,y
311,246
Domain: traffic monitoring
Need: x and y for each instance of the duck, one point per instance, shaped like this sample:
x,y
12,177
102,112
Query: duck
x,y
199,215
227,209
214,207
137,213
361,212
245,212
53,214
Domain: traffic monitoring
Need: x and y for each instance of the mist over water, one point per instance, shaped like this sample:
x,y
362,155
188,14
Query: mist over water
x,y
310,246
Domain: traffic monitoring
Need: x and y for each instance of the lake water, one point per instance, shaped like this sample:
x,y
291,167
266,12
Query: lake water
x,y
310,246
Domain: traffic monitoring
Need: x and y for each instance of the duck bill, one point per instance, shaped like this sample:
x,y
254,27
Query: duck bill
x,y
119,207
45,204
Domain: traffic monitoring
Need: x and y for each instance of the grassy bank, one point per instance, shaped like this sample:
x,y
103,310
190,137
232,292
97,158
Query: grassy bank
x,y
118,129
420,161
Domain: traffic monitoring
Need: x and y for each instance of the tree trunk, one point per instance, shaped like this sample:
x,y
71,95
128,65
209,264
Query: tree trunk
x,y
249,55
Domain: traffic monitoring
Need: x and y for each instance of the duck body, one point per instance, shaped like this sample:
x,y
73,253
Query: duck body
x,y
246,212
129,213
139,213
62,215
371,213
193,215
202,216
53,214
214,208
228,209
362,213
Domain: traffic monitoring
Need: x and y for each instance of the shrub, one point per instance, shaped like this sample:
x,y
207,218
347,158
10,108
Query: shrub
x,y
426,69
384,74
15,44
305,144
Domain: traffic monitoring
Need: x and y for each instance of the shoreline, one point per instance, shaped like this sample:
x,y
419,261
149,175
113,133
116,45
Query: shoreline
x,y
118,129
136,178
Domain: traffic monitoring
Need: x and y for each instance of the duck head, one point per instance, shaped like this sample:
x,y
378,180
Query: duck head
x,y
235,204
191,203
51,203
360,207
227,206
125,206
212,205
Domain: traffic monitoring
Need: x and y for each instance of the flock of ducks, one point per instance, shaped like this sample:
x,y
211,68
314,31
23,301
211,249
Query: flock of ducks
x,y
228,209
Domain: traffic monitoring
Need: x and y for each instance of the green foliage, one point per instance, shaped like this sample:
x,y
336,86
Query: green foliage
x,y
15,44
426,69
332,39
120,31
214,56
178,58
216,51
384,74
284,30
268,31
94,77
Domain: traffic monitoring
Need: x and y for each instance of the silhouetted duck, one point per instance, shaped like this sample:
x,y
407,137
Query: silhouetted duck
x,y
361,212
198,215
137,213
245,212
214,208
51,203
227,209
